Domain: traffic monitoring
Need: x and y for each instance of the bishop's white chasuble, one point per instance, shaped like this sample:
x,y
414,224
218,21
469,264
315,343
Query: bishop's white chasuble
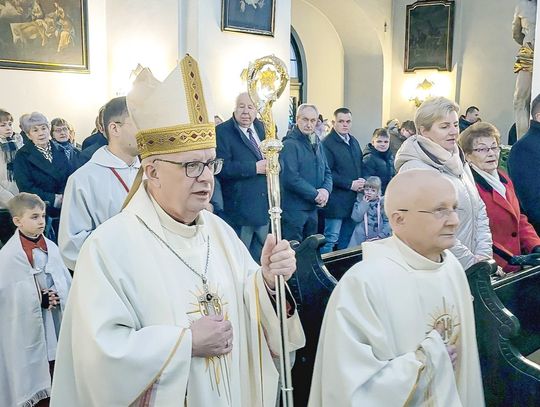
x,y
125,338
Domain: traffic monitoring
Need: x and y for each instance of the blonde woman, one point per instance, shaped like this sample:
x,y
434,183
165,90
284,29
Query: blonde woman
x,y
435,148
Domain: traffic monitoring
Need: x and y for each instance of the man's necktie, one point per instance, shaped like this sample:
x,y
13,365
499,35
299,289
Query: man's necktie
x,y
254,143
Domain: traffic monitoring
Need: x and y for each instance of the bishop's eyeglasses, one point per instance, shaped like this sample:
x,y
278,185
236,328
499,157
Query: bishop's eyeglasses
x,y
194,169
441,213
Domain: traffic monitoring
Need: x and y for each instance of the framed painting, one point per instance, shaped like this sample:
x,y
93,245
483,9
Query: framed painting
x,y
248,16
429,35
44,35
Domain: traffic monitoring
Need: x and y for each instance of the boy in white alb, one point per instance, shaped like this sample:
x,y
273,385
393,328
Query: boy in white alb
x,y
34,285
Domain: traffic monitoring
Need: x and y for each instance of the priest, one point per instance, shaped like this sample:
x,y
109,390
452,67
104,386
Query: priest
x,y
167,307
399,327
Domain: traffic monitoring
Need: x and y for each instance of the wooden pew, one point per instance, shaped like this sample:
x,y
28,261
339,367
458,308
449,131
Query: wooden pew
x,y
509,377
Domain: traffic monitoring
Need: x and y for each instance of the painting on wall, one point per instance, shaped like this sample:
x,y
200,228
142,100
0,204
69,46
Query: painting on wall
x,y
44,35
428,35
249,16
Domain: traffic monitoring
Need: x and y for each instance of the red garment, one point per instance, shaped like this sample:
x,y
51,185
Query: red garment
x,y
29,244
510,229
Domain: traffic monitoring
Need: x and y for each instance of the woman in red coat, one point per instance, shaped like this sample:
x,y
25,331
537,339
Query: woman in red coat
x,y
512,234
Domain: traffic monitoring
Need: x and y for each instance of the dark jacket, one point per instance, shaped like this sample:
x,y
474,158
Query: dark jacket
x,y
396,140
524,169
303,170
512,233
35,174
245,196
463,124
96,138
72,151
345,163
379,165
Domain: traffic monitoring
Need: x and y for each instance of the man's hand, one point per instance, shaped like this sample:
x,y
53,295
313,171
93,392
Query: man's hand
x,y
451,349
211,336
277,259
358,184
261,166
322,197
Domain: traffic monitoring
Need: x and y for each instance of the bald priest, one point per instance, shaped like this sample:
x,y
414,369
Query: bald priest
x,y
399,327
167,307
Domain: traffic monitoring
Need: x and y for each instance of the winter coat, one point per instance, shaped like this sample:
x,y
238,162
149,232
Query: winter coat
x,y
473,233
303,170
511,231
345,162
372,221
524,169
379,164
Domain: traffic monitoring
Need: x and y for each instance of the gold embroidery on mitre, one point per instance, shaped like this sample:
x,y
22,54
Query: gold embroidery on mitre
x,y
176,139
194,91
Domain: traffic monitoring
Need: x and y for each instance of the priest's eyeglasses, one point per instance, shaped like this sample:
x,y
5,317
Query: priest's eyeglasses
x,y
194,169
441,213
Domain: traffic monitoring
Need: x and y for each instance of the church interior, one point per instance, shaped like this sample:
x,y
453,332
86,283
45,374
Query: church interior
x,y
369,56
348,52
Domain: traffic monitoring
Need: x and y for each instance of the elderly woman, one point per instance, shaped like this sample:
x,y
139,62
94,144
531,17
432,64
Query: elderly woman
x,y
512,234
63,136
41,167
435,148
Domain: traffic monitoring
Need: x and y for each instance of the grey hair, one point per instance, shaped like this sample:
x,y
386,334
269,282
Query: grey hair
x,y
33,119
305,106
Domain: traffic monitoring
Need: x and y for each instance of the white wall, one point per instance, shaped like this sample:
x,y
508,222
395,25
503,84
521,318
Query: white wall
x,y
222,55
355,64
325,62
483,57
140,31
73,96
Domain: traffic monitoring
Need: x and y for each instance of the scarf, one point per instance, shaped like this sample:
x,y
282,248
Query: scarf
x,y
66,147
8,146
492,179
450,160
46,151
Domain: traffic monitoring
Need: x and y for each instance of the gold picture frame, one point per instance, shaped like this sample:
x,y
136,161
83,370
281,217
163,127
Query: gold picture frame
x,y
49,35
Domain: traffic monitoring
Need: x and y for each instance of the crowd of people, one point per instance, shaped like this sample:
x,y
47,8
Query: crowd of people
x,y
54,192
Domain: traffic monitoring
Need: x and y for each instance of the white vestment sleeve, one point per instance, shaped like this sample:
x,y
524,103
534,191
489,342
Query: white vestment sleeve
x,y
76,222
105,357
356,364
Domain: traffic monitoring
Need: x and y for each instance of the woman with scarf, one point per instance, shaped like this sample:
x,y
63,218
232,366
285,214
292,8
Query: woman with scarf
x,y
42,168
513,235
10,142
435,148
63,136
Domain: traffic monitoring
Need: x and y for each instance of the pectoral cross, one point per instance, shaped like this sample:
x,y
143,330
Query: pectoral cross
x,y
209,302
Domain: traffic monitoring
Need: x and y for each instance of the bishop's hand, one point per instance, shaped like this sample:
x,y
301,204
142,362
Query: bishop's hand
x,y
277,259
211,336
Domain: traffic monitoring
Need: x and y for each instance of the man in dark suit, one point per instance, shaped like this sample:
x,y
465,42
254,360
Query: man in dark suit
x,y
243,177
306,180
344,157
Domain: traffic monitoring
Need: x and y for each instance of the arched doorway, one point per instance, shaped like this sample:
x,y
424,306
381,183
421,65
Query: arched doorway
x,y
297,76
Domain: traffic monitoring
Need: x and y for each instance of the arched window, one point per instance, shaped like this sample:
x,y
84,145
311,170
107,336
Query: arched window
x,y
297,76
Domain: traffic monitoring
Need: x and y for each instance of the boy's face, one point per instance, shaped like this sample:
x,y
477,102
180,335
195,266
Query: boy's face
x,y
32,222
371,193
381,143
6,128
